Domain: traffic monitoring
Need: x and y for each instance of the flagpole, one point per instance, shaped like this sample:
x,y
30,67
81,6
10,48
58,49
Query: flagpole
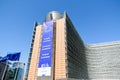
x,y
16,73
4,70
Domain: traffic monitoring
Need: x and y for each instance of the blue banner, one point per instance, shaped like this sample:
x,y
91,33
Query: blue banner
x,y
45,60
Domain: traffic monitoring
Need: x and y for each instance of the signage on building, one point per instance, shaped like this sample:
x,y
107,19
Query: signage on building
x,y
45,59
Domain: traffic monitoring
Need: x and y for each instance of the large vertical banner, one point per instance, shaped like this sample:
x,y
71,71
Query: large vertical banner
x,y
45,60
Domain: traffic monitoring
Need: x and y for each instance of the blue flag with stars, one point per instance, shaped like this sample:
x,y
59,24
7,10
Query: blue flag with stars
x,y
11,56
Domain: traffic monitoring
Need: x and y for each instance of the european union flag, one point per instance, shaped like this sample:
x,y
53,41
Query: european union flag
x,y
13,57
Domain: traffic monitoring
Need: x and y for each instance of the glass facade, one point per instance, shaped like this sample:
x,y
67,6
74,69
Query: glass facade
x,y
76,59
103,60
17,71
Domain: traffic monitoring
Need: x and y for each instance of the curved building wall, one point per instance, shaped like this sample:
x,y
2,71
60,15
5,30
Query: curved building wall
x,y
103,60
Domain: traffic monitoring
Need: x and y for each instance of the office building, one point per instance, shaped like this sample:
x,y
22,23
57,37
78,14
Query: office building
x,y
4,73
58,53
103,60
17,71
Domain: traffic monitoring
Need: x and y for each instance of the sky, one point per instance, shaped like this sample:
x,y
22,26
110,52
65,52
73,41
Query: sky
x,y
96,21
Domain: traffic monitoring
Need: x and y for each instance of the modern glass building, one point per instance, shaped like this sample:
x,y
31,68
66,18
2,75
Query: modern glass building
x,y
17,71
19,66
4,73
103,60
58,53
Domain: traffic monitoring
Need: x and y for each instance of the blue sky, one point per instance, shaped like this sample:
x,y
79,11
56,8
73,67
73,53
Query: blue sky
x,y
96,21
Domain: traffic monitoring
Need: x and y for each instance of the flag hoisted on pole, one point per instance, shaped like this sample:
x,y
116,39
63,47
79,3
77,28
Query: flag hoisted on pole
x,y
11,56
14,56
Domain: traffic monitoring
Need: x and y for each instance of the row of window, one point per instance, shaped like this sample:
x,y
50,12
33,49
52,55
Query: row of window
x,y
75,53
